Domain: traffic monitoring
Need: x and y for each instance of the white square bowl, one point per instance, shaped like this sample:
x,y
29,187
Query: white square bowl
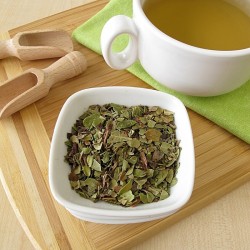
x,y
103,212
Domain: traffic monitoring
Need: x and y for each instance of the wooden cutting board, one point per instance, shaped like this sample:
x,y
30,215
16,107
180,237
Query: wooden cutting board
x,y
222,160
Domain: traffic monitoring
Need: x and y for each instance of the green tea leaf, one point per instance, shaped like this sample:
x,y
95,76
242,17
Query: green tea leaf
x,y
125,165
89,120
74,138
151,124
164,195
153,134
86,170
126,197
96,166
113,184
117,108
130,171
118,136
134,143
75,184
90,159
86,150
126,188
106,157
125,124
143,198
77,170
91,182
165,147
174,181
140,182
137,111
97,121
139,173
170,176
133,160
123,155
97,146
161,176
150,197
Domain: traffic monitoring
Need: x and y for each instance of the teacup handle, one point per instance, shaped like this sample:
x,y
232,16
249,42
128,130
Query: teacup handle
x,y
116,26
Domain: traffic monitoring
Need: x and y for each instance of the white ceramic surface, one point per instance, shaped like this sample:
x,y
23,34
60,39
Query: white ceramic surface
x,y
185,68
103,212
119,220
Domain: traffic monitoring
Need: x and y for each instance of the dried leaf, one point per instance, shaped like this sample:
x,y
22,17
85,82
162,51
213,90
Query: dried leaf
x,y
96,166
123,155
134,143
89,120
126,198
161,176
126,188
91,182
125,124
153,134
165,147
86,170
139,173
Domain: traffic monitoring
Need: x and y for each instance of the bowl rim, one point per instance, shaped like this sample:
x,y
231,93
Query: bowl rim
x,y
126,212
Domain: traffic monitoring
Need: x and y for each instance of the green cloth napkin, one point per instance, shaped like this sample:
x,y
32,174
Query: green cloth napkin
x,y
230,111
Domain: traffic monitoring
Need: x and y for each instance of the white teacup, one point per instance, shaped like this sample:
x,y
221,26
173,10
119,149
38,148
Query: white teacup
x,y
184,68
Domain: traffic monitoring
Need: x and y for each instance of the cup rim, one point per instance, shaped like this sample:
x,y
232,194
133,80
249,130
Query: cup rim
x,y
137,5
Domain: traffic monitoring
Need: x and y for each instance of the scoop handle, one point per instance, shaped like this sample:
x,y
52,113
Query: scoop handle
x,y
65,68
7,49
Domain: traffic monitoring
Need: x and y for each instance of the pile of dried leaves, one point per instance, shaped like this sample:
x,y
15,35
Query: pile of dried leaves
x,y
123,155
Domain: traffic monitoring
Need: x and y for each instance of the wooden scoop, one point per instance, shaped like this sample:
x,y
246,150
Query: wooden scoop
x,y
39,44
34,84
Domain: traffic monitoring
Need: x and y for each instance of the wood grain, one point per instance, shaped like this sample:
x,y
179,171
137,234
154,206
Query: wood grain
x,y
33,84
222,159
24,45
